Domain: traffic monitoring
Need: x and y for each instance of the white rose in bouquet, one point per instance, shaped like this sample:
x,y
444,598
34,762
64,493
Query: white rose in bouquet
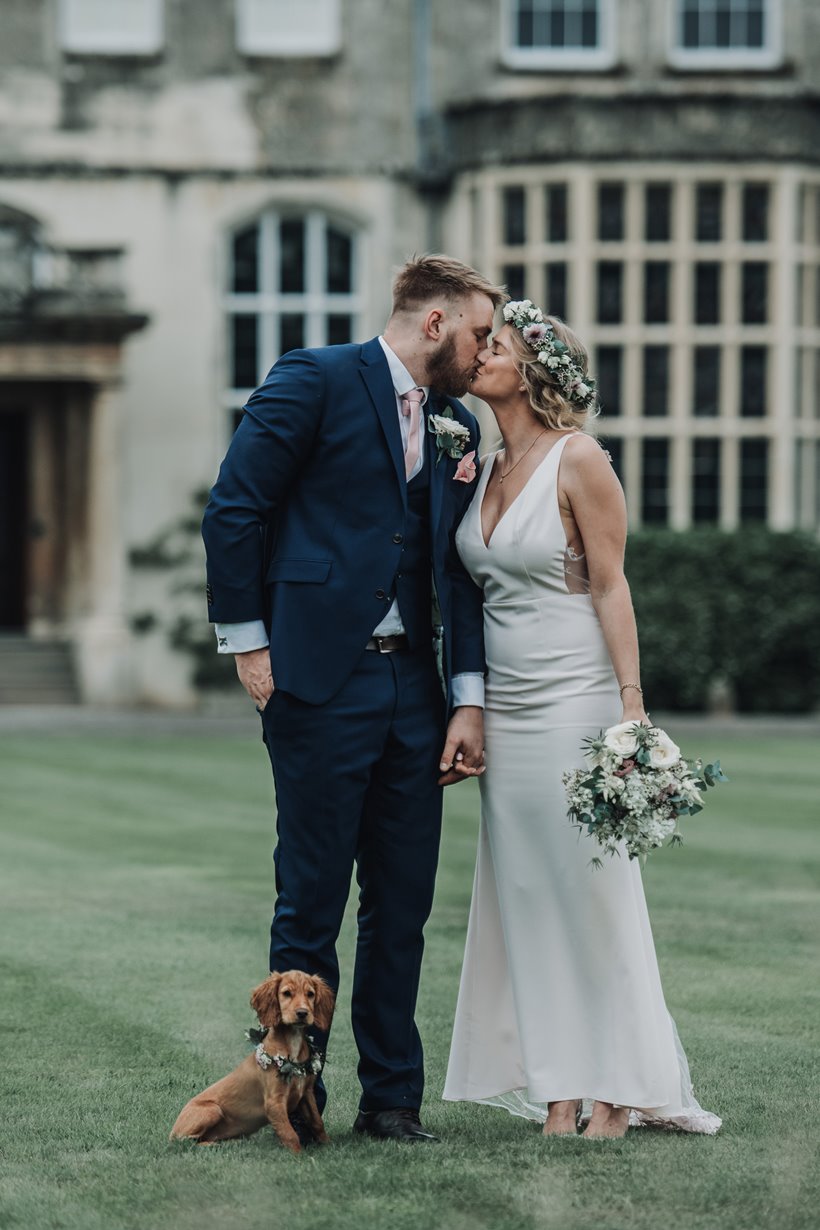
x,y
622,739
663,753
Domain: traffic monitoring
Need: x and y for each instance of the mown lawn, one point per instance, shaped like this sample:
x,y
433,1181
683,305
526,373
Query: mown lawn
x,y
135,888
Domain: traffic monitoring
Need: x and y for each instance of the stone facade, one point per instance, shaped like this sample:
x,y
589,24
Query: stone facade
x,y
177,209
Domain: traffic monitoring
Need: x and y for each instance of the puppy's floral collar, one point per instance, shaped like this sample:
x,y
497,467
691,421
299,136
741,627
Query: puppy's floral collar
x,y
288,1068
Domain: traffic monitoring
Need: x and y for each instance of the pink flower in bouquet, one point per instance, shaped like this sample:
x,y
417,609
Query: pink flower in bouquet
x,y
626,768
465,470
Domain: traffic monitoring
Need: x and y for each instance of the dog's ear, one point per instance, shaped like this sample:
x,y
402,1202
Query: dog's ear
x,y
265,1001
323,1003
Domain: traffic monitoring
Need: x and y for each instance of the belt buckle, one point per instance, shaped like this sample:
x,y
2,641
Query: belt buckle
x,y
380,643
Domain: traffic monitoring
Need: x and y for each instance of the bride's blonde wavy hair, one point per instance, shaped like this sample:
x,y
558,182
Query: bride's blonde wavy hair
x,y
549,405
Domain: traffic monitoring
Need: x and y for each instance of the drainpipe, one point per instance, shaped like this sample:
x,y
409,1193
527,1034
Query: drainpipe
x,y
432,175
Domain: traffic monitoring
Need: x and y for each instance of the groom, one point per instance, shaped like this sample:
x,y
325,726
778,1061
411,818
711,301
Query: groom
x,y
359,489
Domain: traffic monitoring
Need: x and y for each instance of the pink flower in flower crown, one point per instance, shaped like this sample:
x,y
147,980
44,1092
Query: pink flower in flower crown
x,y
465,470
533,334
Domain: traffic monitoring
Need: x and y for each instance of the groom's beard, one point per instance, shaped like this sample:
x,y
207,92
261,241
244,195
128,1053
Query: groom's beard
x,y
444,373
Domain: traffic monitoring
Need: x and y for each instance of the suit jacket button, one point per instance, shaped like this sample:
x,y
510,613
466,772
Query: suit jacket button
x,y
380,593
397,538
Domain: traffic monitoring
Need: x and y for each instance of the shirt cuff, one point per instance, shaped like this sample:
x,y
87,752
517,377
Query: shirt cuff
x,y
468,689
241,638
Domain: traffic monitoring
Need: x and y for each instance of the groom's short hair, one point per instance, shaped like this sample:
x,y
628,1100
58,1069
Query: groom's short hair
x,y
425,278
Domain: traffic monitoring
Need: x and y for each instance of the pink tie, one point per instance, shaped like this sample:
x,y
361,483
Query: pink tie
x,y
410,406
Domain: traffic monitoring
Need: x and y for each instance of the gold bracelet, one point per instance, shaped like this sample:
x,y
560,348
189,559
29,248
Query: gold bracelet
x,y
624,686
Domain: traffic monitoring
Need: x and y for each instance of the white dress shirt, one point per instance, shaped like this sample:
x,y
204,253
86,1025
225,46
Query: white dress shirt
x,y
468,689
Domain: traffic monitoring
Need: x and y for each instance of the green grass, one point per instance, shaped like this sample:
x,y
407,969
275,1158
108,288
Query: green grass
x,y
135,887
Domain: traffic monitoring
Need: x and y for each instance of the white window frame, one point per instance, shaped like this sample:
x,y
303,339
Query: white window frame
x,y
770,55
82,33
322,38
315,303
561,58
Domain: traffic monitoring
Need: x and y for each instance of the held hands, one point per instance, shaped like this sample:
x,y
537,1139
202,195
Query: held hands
x,y
463,754
253,669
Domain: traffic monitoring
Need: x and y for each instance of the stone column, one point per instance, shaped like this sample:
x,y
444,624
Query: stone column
x,y
102,637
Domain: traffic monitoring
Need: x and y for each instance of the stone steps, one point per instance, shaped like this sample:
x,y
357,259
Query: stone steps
x,y
36,672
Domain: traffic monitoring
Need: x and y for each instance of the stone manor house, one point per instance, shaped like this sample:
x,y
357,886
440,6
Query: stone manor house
x,y
189,188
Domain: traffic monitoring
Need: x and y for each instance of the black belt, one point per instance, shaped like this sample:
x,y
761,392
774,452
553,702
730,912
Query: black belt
x,y
388,644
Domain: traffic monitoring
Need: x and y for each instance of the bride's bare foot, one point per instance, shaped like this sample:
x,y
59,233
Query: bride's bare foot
x,y
561,1118
607,1122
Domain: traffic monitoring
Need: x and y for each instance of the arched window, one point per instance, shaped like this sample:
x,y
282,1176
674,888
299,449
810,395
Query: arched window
x,y
293,281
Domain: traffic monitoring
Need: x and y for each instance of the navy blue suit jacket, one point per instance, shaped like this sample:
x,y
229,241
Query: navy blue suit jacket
x,y
316,467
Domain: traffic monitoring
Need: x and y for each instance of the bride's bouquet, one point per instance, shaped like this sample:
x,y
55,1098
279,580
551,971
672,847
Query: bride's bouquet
x,y
635,789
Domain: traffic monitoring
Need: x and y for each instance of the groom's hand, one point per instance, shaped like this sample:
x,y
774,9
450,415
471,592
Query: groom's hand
x,y
463,754
253,669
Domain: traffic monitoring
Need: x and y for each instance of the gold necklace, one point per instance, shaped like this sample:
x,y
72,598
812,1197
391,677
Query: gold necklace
x,y
502,475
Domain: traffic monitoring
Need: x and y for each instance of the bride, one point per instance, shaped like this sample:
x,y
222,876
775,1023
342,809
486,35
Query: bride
x,y
560,1000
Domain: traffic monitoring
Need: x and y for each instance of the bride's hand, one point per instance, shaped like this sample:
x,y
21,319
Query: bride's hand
x,y
636,713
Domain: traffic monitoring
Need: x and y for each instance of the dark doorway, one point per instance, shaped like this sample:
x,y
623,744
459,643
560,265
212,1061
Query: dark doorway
x,y
13,517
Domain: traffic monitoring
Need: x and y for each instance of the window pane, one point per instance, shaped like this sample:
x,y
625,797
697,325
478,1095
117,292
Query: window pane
x,y
707,293
705,481
656,292
708,212
725,24
339,329
292,256
245,271
755,291
111,27
514,213
557,213
658,206
244,351
706,383
614,445
755,213
610,211
513,278
753,364
339,252
655,498
609,376
655,381
610,277
291,332
284,28
754,480
556,279
589,25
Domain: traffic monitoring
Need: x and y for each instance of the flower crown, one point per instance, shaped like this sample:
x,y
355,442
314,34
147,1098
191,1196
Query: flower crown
x,y
540,336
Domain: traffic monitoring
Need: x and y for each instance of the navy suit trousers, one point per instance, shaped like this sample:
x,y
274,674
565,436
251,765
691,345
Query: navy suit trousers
x,y
356,783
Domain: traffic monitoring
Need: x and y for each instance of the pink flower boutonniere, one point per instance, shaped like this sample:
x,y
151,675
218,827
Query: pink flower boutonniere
x,y
465,470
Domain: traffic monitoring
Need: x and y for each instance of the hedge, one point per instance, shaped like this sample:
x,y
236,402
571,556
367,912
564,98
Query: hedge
x,y
739,612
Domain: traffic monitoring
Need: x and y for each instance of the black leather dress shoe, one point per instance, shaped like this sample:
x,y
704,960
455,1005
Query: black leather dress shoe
x,y
401,1123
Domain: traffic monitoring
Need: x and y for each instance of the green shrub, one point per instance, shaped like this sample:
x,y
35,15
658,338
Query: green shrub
x,y
742,608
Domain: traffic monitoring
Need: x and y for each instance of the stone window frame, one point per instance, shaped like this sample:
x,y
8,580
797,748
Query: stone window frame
x,y
269,304
83,29
723,59
284,29
599,58
791,333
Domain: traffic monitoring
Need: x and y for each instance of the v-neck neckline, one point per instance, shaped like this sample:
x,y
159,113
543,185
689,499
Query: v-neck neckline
x,y
487,542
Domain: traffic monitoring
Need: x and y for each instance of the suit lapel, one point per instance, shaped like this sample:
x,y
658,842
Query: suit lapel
x,y
379,384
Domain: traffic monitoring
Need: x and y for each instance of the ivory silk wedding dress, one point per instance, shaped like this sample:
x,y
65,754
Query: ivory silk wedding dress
x,y
560,995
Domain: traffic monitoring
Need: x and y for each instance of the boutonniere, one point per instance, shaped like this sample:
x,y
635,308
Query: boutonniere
x,y
451,436
465,470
